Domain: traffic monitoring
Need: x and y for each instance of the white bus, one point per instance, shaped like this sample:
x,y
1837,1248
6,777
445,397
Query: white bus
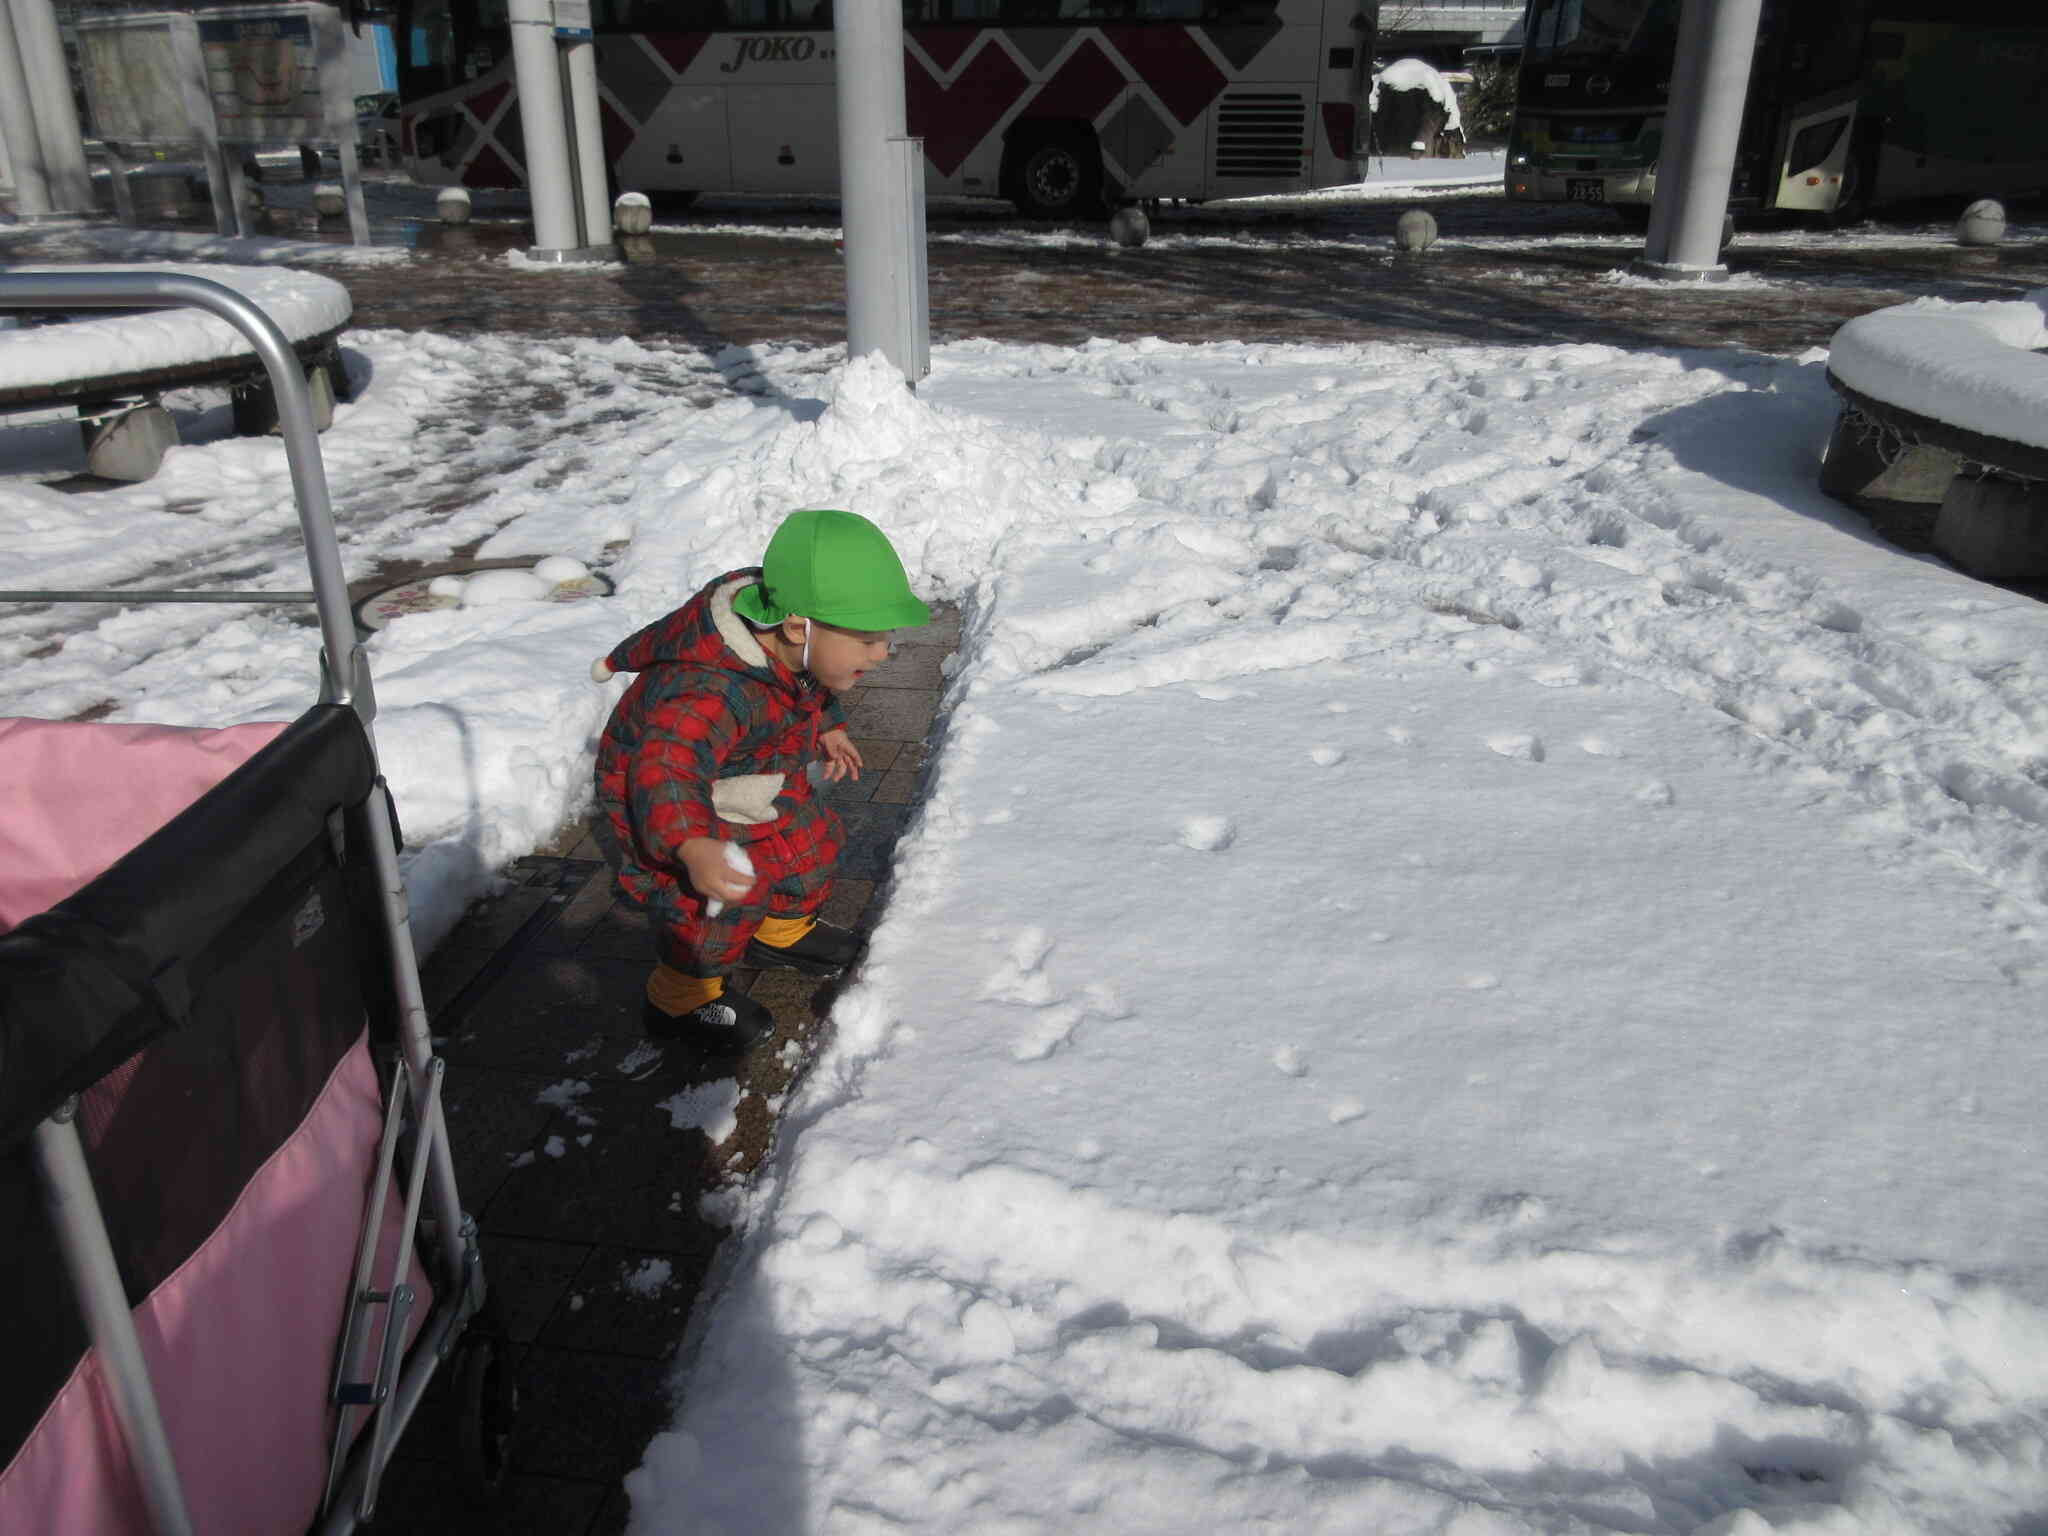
x,y
1065,107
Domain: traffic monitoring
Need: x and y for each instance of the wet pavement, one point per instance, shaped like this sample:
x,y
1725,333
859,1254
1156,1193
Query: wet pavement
x,y
734,270
1272,277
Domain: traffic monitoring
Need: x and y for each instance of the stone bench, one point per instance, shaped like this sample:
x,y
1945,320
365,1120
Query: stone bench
x,y
113,367
1943,435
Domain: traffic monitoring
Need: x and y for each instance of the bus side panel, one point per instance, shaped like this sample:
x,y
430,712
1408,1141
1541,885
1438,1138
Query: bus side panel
x,y
784,136
1961,106
682,147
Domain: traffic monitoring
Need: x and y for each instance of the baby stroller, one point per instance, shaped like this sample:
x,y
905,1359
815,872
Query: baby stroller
x,y
234,1259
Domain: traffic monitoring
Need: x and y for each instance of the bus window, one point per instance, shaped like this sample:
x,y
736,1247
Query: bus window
x,y
657,15
1602,26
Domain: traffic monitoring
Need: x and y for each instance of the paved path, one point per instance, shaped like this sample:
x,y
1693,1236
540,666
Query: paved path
x,y
586,1193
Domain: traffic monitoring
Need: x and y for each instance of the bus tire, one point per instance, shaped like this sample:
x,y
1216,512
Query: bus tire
x,y
1635,217
1859,176
1055,174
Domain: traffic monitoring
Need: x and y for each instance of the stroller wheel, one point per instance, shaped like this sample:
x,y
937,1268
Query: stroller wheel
x,y
487,1400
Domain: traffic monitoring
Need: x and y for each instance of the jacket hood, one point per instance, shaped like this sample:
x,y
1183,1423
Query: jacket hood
x,y
705,632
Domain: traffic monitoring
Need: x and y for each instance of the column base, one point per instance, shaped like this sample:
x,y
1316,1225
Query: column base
x,y
574,253
1678,271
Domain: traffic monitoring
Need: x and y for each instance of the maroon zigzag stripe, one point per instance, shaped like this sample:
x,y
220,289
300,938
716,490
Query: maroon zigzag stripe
x,y
1082,89
953,119
1170,61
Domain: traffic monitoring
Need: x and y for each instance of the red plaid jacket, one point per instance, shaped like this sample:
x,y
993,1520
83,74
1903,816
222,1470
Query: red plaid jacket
x,y
713,740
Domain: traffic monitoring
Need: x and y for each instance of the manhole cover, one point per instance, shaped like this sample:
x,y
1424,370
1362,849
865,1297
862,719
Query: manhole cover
x,y
555,579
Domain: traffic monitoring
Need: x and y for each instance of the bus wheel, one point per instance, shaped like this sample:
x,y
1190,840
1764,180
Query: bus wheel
x,y
1056,176
1852,203
1635,217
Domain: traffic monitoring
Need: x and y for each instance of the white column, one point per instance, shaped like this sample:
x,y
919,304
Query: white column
x,y
49,94
537,74
17,120
885,299
580,65
1709,83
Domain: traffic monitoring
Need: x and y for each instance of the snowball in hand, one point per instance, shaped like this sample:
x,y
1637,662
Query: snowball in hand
x,y
735,858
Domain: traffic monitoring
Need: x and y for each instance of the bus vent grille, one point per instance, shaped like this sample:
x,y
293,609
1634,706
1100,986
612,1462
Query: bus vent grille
x,y
1259,135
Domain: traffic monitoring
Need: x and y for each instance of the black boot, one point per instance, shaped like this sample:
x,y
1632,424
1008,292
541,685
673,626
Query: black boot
x,y
727,1025
824,951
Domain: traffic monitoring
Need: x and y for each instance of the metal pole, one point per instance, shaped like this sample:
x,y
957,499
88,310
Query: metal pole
x,y
348,678
580,67
96,1280
883,297
537,74
49,93
1709,83
18,121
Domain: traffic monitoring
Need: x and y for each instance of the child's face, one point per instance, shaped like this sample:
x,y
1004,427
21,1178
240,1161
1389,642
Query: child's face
x,y
840,658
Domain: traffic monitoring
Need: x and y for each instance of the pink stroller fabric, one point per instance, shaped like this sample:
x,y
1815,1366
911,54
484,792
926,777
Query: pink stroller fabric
x,y
240,1345
240,1339
75,797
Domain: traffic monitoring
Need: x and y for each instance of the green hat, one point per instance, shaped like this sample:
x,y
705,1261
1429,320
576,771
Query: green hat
x,y
837,568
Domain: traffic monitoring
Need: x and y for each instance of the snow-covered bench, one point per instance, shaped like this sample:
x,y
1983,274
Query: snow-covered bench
x,y
1946,409
114,366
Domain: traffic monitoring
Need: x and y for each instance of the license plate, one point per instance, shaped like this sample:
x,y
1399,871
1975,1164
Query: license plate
x,y
1585,189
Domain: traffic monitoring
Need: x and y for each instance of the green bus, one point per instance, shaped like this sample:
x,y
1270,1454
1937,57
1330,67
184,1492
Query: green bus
x,y
1851,103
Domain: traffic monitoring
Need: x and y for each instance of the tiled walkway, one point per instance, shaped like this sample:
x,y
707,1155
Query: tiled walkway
x,y
586,1192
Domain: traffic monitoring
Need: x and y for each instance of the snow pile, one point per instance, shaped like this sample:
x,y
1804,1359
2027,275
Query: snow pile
x,y
1982,367
1453,978
303,304
1415,75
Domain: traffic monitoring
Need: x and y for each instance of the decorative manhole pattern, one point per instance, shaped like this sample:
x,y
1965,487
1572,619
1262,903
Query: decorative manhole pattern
x,y
552,579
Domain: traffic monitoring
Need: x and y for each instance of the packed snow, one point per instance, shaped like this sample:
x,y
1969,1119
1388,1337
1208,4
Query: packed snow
x,y
92,346
1473,960
1418,75
1983,367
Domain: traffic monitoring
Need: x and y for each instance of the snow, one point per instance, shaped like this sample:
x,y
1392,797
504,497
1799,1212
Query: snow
x,y
1981,366
303,304
1415,75
1473,960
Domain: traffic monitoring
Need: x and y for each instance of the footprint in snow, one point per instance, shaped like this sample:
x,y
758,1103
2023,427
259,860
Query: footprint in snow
x,y
1656,794
1326,757
1345,1110
1518,745
1208,834
1289,1061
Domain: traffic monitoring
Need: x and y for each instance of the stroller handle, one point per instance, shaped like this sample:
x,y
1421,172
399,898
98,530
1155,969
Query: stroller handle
x,y
346,678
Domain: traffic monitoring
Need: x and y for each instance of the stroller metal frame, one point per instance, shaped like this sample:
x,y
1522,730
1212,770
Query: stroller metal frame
x,y
392,1390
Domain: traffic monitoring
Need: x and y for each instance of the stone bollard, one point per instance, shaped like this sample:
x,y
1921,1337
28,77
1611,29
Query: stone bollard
x,y
453,205
327,201
1129,227
1982,223
632,214
1415,230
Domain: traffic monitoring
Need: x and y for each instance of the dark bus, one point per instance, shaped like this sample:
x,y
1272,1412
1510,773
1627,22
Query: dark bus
x,y
1851,102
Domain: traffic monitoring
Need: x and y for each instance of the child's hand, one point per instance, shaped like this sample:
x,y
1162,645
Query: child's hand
x,y
842,757
704,861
